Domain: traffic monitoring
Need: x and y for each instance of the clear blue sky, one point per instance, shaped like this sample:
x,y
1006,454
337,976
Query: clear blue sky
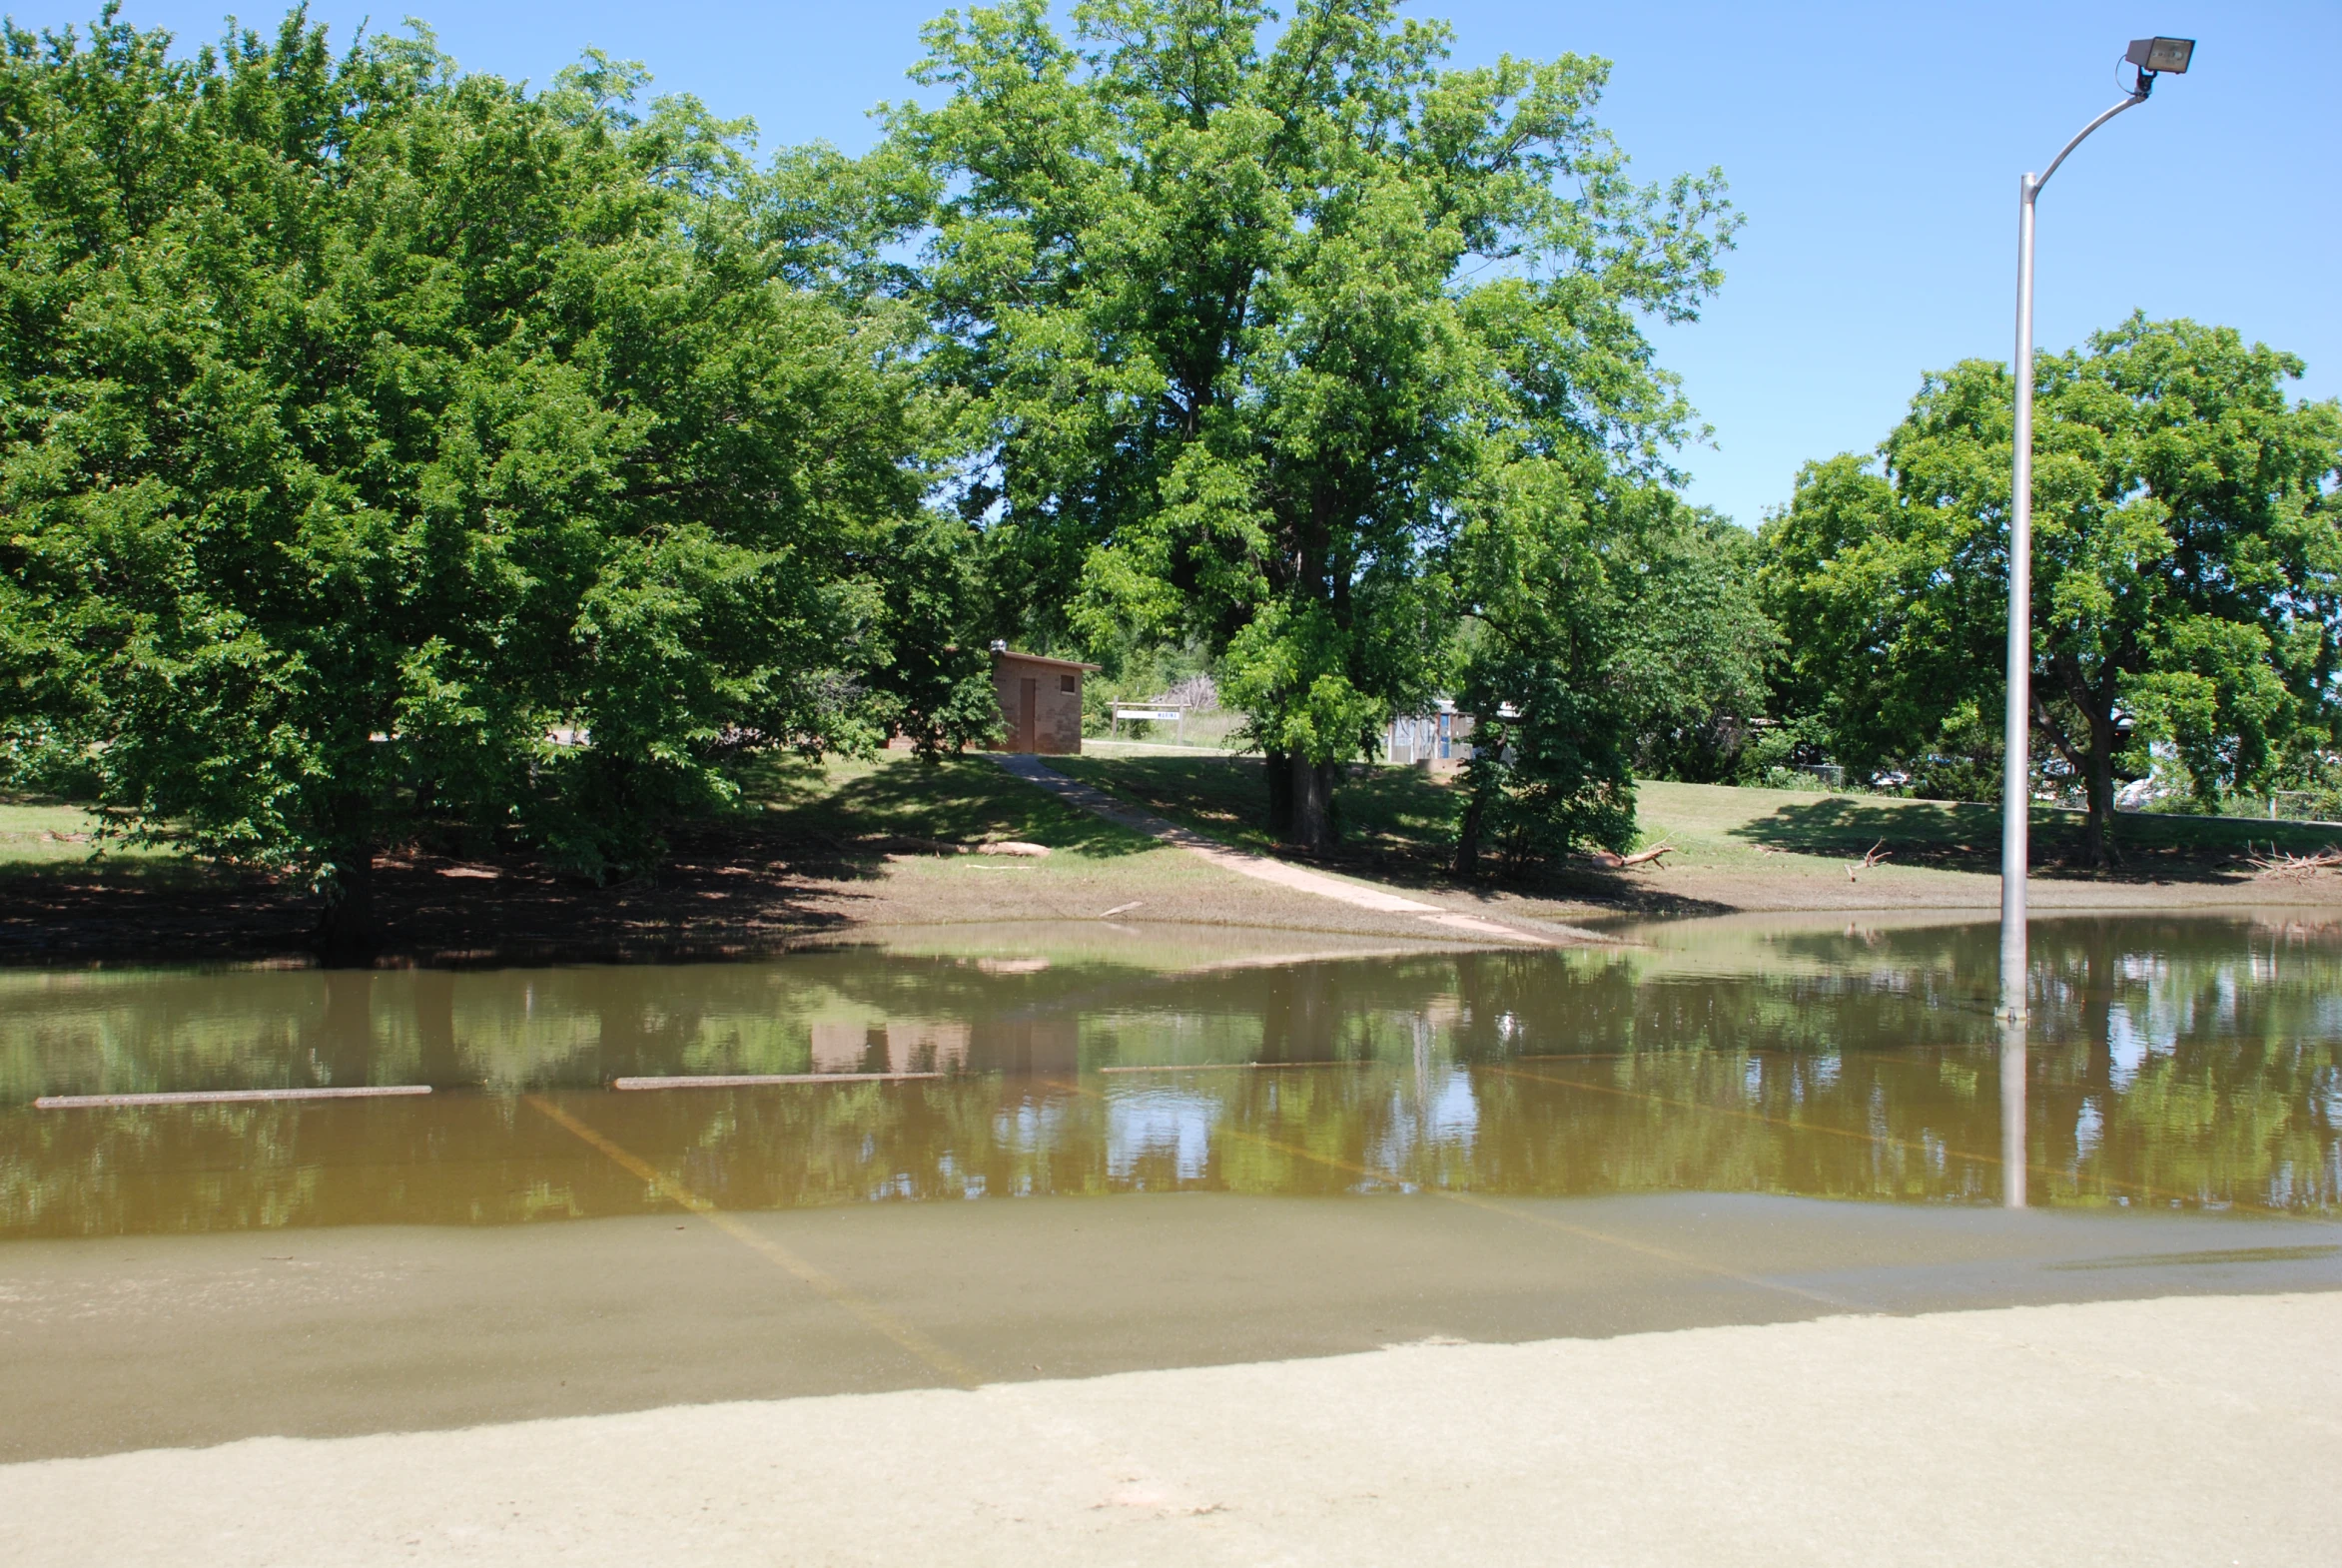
x,y
1876,149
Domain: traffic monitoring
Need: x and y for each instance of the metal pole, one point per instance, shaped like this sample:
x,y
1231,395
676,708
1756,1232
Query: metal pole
x,y
2016,775
2017,772
2013,1130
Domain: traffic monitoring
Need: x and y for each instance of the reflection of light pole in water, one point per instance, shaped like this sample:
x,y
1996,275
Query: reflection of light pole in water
x,y
1422,1063
2150,55
2012,1142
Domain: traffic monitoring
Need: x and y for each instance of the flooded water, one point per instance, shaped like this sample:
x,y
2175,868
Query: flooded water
x,y
2192,1063
1065,1151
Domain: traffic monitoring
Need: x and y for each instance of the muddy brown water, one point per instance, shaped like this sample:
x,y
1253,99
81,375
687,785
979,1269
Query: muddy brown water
x,y
1125,1147
2194,1062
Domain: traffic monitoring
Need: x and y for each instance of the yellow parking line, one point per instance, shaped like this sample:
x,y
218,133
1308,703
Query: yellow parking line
x,y
827,1284
1526,1216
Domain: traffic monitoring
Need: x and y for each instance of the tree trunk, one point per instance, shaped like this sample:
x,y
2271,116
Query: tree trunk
x,y
2099,789
1467,838
344,1046
1312,791
1299,1020
437,1062
346,931
1278,767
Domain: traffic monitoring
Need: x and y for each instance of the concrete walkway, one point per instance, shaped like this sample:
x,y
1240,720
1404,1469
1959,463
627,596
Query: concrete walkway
x,y
2183,1430
1261,868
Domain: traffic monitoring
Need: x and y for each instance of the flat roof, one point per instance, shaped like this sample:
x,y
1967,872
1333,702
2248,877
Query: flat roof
x,y
1043,658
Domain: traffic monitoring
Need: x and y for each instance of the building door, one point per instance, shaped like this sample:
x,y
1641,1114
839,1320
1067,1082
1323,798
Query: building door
x,y
1028,714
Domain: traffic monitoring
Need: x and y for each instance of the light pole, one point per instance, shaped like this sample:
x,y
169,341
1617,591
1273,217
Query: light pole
x,y
2151,56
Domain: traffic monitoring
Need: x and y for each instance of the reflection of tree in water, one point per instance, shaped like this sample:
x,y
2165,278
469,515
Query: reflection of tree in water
x,y
2189,1059
2167,1074
130,1032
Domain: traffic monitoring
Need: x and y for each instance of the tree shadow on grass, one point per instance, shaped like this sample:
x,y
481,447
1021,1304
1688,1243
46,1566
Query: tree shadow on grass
x,y
1961,836
1399,828
735,885
1951,835
1570,882
712,898
959,801
94,913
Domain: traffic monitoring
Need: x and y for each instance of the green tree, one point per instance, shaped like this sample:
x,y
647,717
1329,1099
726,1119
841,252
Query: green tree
x,y
1623,641
363,423
1693,643
1251,320
2187,571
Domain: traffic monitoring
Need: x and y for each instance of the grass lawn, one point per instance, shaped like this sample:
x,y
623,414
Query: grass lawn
x,y
39,832
851,808
877,828
1387,813
1400,820
860,807
814,849
1946,834
43,843
810,849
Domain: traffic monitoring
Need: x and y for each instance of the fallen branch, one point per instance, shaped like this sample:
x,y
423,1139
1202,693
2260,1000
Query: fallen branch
x,y
907,843
1610,862
1877,852
913,844
2277,863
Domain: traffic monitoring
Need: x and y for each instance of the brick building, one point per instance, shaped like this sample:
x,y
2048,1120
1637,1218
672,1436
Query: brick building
x,y
1040,701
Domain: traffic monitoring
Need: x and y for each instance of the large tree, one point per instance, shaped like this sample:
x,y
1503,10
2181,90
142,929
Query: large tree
x,y
2187,569
1253,319
1609,640
366,424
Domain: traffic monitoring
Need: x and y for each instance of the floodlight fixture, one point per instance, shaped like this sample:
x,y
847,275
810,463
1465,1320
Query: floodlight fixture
x,y
2150,56
2160,54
